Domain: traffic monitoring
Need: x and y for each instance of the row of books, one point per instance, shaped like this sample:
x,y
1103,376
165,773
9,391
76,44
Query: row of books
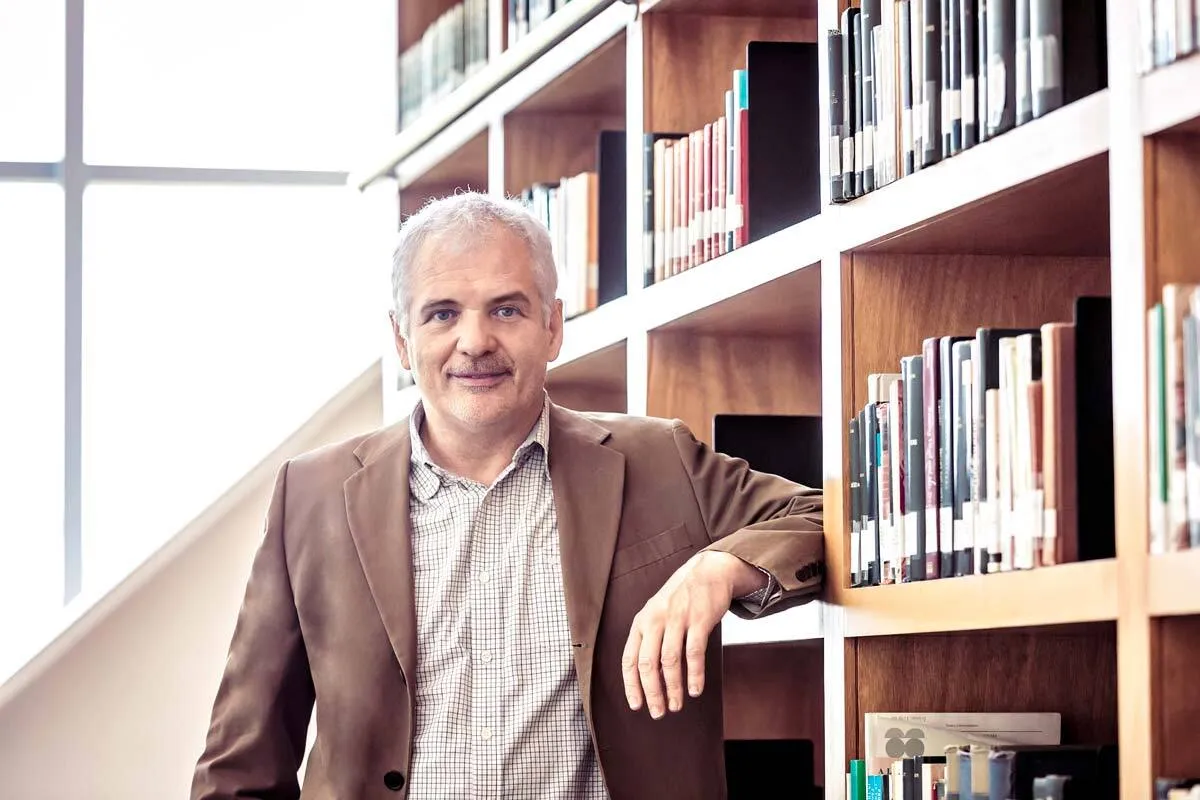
x,y
697,191
450,50
749,172
1174,419
973,755
569,208
980,456
525,15
913,82
1170,30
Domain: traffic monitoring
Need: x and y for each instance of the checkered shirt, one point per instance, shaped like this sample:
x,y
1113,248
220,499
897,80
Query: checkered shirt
x,y
499,712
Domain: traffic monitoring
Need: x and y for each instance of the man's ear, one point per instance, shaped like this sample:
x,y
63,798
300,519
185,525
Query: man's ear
x,y
401,342
556,329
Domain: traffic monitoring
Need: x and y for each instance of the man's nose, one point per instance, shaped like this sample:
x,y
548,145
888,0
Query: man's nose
x,y
475,337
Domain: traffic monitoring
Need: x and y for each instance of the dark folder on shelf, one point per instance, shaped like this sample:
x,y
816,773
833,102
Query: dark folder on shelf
x,y
786,445
758,768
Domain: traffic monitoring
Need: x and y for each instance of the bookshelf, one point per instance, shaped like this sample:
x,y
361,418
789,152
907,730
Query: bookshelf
x,y
1100,196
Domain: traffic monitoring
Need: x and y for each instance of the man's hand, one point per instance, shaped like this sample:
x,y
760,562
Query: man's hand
x,y
673,628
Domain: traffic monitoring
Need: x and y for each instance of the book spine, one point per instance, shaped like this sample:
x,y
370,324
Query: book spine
x,y
964,516
1001,77
1156,396
907,134
947,395
981,68
931,92
855,504
952,66
883,486
1045,56
968,34
868,19
930,372
837,124
899,450
912,368
859,113
1024,100
870,482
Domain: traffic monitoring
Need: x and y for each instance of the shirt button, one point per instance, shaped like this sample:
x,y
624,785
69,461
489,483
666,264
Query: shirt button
x,y
486,733
483,577
486,655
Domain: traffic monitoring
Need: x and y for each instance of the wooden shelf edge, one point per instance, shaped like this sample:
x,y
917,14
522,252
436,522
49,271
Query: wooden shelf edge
x,y
1062,595
1067,136
477,98
599,329
1169,97
800,624
792,249
1172,584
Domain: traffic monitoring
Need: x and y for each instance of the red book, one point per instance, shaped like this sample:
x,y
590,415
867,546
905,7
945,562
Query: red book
x,y
742,232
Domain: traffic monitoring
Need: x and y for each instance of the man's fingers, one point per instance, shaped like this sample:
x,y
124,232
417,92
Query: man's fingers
x,y
629,668
649,655
694,650
672,664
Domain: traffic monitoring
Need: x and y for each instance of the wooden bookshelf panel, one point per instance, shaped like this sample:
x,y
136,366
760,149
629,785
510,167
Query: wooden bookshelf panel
x,y
1173,196
1169,99
591,382
690,59
596,85
775,691
1177,696
465,167
806,9
547,147
693,376
1171,583
1072,671
897,300
1065,594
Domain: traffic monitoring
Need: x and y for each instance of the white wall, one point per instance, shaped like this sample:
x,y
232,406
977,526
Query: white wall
x,y
118,706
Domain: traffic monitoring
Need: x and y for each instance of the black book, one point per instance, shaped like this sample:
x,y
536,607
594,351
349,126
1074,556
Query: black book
x,y
869,18
907,123
952,69
849,102
610,177
931,72
833,55
912,374
968,35
1001,77
855,444
1094,423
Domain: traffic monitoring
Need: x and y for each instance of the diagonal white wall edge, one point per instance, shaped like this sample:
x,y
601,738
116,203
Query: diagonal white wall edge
x,y
117,704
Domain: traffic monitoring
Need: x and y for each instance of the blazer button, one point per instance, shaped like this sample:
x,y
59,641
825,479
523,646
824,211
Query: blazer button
x,y
394,780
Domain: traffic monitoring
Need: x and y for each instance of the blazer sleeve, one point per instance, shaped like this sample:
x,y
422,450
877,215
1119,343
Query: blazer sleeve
x,y
766,521
260,716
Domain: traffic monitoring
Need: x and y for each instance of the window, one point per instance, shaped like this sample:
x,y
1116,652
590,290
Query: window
x,y
32,66
269,84
217,319
31,415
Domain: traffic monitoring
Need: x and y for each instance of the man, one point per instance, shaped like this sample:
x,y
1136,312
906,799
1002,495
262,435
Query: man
x,y
498,597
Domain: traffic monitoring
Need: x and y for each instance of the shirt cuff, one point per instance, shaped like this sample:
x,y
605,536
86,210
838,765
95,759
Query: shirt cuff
x,y
759,598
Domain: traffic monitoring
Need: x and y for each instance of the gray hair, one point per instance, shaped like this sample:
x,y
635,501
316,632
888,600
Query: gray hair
x,y
468,217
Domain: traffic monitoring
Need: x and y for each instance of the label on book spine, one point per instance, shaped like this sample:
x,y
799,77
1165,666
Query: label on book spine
x,y
931,529
835,155
869,147
997,91
868,543
856,560
906,130
733,217
947,539
910,541
1050,536
968,100
847,167
1044,68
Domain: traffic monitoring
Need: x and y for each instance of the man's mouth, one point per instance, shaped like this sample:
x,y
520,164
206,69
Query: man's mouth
x,y
480,377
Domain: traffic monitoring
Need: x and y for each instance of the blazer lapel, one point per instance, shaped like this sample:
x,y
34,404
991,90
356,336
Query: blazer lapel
x,y
377,512
588,480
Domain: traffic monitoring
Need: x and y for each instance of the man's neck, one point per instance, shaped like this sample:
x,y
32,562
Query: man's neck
x,y
479,454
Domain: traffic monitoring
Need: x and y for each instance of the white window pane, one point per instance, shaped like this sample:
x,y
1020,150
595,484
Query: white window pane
x,y
32,70
283,84
31,416
217,319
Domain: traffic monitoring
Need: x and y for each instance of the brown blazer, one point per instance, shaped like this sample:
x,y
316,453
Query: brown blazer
x,y
328,615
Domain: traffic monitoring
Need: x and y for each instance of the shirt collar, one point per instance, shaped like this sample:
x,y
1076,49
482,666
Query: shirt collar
x,y
428,477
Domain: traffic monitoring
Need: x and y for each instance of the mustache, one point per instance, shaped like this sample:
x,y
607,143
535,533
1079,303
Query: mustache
x,y
483,366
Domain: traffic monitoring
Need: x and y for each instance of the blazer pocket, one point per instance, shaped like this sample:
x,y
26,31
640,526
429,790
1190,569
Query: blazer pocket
x,y
648,551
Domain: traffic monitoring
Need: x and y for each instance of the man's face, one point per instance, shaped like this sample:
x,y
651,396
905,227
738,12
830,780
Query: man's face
x,y
478,341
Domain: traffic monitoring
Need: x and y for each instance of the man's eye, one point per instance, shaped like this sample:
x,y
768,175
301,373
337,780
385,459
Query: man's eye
x,y
442,315
507,312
